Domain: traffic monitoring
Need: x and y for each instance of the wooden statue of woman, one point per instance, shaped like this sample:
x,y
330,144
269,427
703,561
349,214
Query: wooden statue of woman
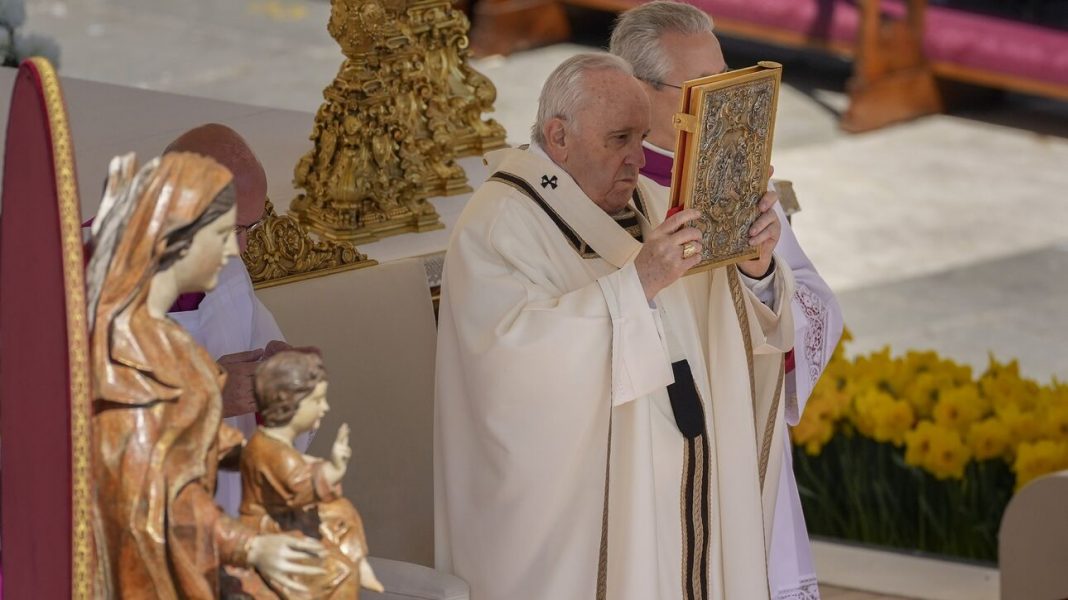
x,y
158,436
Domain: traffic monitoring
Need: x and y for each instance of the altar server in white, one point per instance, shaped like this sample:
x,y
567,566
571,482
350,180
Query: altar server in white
x,y
603,428
668,43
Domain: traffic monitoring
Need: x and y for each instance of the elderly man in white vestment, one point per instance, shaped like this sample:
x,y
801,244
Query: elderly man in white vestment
x,y
668,43
603,425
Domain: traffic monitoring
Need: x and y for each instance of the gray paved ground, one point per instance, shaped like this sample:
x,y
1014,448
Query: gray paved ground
x,y
1012,303
946,233
268,52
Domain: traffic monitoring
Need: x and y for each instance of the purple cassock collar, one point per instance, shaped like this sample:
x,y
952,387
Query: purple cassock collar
x,y
188,301
185,302
657,166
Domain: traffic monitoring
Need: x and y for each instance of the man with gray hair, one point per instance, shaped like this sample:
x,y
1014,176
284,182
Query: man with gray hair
x,y
668,43
602,424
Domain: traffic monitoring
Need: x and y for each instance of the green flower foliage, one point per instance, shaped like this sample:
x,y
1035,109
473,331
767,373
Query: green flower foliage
x,y
914,452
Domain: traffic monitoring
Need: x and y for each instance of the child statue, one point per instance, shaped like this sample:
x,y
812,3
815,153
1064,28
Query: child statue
x,y
286,491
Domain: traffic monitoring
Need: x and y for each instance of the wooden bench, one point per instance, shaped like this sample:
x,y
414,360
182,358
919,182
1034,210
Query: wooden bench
x,y
902,50
906,48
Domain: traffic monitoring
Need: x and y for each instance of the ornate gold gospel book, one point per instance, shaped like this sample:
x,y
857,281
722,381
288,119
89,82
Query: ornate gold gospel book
x,y
722,157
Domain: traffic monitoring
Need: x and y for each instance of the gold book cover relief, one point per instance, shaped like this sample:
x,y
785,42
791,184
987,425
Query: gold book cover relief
x,y
722,157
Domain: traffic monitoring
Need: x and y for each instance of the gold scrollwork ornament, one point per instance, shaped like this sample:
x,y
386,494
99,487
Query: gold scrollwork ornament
x,y
280,250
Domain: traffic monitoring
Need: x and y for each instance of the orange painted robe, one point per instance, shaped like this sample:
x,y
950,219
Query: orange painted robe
x,y
286,491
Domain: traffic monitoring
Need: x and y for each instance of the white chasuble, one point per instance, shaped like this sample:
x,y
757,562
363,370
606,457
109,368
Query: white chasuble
x,y
817,329
588,443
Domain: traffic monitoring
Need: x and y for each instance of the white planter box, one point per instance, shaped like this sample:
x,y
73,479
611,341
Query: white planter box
x,y
901,574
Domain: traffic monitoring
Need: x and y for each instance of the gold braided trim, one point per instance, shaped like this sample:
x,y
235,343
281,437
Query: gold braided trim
x,y
694,565
743,321
77,329
687,457
769,427
602,558
700,559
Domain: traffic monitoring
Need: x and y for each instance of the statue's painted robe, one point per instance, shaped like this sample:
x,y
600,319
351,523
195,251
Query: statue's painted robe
x,y
284,491
157,431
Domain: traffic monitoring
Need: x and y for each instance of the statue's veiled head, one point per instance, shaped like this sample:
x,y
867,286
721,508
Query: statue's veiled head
x,y
160,231
176,213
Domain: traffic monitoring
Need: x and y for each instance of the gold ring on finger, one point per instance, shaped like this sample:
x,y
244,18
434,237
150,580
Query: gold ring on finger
x,y
688,250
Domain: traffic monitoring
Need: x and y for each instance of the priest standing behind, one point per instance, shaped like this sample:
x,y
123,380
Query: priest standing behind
x,y
668,43
603,426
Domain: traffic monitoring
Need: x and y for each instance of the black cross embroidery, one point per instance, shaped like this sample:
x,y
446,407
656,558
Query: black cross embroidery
x,y
546,181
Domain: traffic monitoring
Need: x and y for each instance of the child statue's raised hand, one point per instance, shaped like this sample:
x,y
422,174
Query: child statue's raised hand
x,y
341,452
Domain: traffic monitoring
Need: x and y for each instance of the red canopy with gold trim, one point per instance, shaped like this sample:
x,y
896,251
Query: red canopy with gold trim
x,y
44,373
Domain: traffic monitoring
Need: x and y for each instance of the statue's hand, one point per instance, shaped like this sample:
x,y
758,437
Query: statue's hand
x,y
280,557
341,452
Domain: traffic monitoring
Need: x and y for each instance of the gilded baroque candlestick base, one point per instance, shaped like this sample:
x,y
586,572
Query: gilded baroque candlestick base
x,y
464,93
383,136
365,223
281,250
480,136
